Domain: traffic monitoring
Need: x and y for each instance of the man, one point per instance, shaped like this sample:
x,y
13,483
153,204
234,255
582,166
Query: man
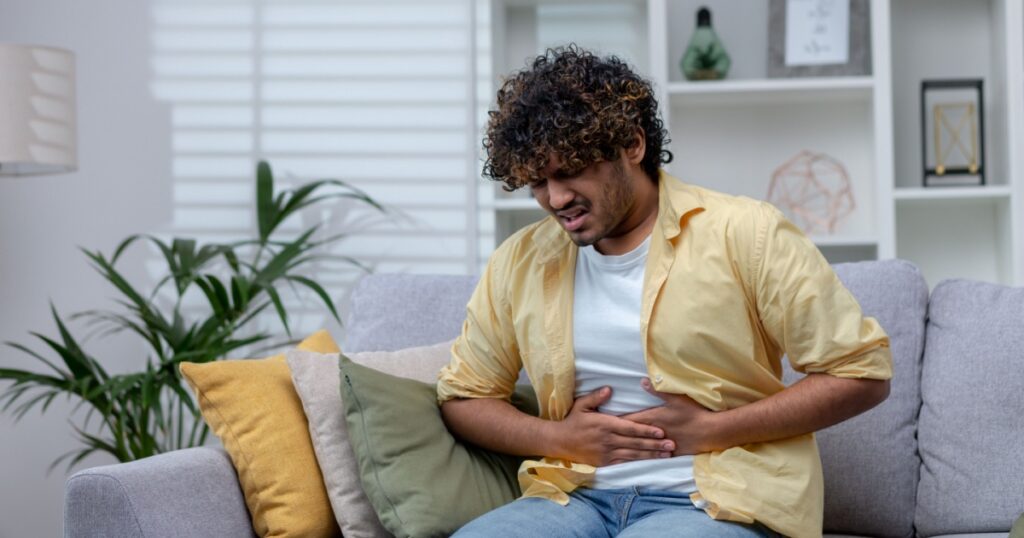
x,y
651,317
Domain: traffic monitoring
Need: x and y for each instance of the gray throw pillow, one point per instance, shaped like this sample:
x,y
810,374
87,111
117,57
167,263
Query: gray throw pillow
x,y
870,462
972,401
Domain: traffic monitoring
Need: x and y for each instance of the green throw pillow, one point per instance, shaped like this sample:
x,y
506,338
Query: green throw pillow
x,y
1018,528
420,480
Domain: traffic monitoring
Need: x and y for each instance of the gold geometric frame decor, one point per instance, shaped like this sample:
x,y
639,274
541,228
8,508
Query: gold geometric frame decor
x,y
953,132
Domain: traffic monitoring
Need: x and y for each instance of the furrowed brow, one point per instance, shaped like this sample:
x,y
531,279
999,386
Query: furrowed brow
x,y
563,173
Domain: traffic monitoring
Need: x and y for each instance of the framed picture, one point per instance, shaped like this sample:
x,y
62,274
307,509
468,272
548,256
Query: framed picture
x,y
819,38
953,132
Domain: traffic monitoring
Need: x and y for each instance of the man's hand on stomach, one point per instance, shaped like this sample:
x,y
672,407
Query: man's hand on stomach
x,y
589,436
681,418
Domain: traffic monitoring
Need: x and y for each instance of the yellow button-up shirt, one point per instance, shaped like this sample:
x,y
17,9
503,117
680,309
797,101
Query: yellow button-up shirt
x,y
730,286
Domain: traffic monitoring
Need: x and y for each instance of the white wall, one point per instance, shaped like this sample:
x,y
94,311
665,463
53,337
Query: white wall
x,y
145,169
122,187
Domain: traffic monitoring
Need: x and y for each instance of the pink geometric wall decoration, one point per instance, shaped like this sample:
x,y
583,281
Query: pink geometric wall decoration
x,y
814,191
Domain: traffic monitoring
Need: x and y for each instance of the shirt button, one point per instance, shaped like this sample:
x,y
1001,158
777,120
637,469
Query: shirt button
x,y
659,378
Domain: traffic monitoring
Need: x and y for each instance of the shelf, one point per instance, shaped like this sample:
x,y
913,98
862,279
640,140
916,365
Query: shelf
x,y
529,204
822,241
771,91
926,194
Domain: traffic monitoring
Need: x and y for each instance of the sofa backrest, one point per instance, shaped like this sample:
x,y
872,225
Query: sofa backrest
x,y
389,312
870,462
971,429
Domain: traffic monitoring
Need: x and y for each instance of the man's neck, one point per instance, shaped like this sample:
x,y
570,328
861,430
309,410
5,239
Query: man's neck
x,y
637,225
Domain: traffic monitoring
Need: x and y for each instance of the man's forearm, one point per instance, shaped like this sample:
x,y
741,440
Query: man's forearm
x,y
585,435
496,425
814,403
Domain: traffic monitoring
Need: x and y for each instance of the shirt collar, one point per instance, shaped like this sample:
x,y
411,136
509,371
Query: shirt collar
x,y
676,200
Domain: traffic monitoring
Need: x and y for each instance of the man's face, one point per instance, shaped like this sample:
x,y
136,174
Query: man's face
x,y
590,205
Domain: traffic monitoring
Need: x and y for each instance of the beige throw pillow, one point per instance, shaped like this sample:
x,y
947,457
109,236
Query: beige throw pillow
x,y
317,382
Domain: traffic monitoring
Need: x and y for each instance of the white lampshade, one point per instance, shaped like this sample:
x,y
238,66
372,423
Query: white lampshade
x,y
37,110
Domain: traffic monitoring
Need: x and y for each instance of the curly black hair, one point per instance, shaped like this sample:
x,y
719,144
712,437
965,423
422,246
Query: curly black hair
x,y
574,104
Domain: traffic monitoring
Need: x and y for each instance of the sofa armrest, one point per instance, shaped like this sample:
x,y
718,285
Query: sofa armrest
x,y
191,492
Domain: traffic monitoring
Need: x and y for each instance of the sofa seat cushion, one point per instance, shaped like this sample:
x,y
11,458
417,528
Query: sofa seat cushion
x,y
972,390
870,462
975,535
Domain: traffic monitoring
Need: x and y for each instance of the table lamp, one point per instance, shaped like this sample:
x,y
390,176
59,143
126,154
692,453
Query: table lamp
x,y
37,110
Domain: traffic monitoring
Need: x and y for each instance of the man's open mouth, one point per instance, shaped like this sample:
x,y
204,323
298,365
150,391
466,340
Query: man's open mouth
x,y
572,219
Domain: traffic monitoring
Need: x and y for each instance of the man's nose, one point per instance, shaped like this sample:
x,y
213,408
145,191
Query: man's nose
x,y
559,196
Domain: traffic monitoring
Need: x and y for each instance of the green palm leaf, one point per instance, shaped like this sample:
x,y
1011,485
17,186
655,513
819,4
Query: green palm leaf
x,y
319,290
201,309
266,212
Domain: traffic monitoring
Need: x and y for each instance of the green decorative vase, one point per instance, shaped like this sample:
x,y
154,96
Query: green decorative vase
x,y
705,57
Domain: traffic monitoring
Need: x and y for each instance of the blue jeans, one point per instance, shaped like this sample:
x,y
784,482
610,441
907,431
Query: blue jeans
x,y
591,513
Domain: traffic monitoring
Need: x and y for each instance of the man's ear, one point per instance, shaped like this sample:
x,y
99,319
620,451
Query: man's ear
x,y
635,154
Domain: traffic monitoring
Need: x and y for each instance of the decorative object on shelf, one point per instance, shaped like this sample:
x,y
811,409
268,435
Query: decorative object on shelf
x,y
37,110
705,57
814,191
819,38
953,132
147,411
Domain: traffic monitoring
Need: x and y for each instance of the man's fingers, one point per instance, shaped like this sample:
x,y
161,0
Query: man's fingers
x,y
621,442
668,397
646,384
644,430
593,400
640,417
640,424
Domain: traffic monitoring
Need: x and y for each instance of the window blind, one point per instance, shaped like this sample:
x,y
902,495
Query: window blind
x,y
388,96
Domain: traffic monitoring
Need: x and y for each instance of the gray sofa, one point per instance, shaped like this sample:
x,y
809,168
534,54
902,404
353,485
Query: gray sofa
x,y
941,457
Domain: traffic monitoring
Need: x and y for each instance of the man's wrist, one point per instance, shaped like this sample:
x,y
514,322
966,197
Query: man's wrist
x,y
550,438
715,428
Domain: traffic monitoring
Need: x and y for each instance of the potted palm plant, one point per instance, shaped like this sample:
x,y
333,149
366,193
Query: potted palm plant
x,y
148,411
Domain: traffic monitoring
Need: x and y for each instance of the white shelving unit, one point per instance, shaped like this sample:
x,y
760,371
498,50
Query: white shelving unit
x,y
730,135
771,91
972,232
909,195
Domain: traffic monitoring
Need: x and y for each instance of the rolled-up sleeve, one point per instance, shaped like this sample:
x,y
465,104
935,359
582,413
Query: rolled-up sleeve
x,y
485,360
807,311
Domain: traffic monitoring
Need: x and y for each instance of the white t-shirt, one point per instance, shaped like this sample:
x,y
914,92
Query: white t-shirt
x,y
606,341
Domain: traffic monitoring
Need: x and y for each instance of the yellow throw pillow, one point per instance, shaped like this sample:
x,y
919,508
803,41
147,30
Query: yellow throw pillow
x,y
252,406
